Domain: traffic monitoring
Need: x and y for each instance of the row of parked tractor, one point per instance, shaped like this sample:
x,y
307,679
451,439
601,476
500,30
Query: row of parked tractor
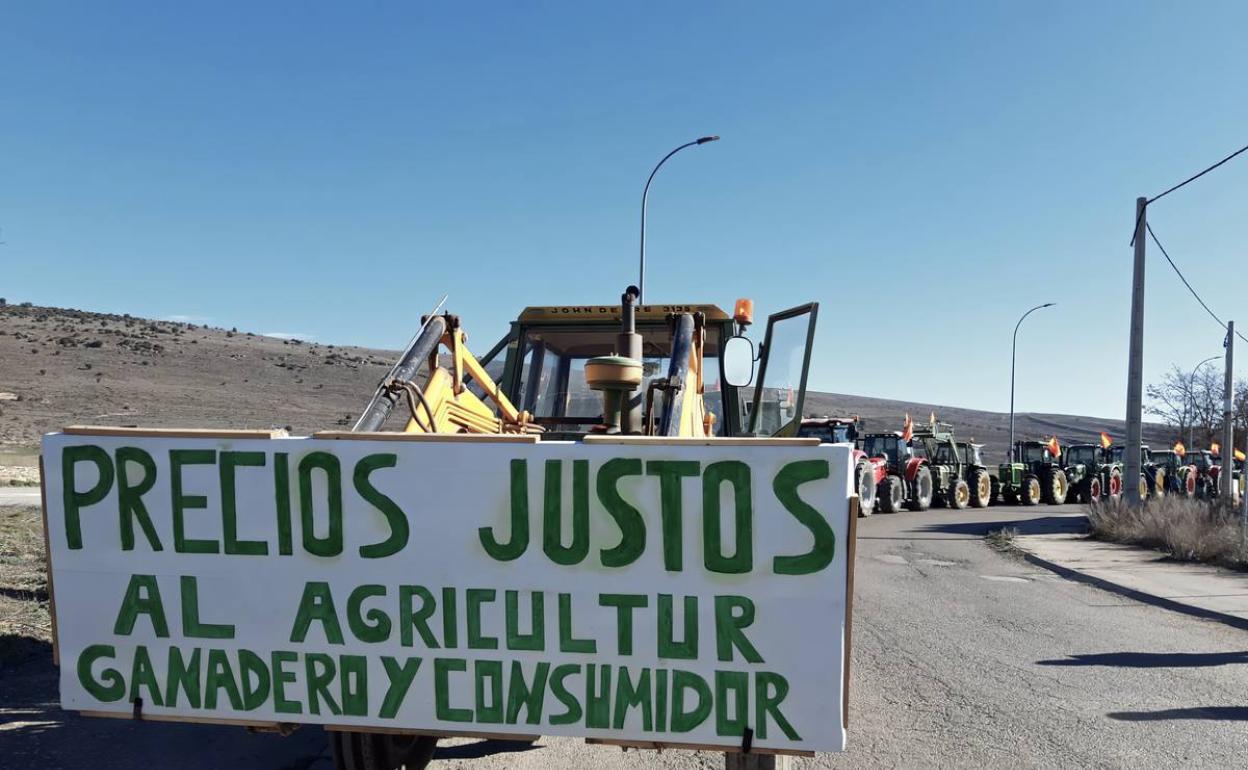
x,y
923,466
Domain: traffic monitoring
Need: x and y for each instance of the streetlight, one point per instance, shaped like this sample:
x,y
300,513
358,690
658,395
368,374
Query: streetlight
x,y
1192,399
1013,347
641,283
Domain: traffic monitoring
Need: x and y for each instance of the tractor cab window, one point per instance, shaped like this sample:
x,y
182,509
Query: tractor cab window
x,y
1199,459
828,433
552,375
969,454
1034,453
1081,455
945,455
883,446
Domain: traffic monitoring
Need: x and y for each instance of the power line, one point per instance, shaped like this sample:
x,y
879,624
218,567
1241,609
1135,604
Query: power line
x,y
1182,278
1184,183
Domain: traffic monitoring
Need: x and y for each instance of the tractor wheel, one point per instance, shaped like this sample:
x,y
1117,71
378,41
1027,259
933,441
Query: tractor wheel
x,y
1159,483
981,488
921,489
378,751
1189,482
889,494
1092,490
864,482
1030,492
1145,486
996,489
1115,484
1056,487
958,496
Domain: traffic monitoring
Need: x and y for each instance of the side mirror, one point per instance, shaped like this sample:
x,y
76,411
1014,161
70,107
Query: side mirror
x,y
738,360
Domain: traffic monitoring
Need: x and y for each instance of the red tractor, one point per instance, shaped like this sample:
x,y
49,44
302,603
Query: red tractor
x,y
902,477
844,430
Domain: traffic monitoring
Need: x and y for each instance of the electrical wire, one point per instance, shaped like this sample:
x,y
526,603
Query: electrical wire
x,y
1184,183
1182,278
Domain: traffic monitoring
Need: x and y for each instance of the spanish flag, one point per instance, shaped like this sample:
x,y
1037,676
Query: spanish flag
x,y
1054,448
1216,448
907,429
1179,449
1106,441
1239,455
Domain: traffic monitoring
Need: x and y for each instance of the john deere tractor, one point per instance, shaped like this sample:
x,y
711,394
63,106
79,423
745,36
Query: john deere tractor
x,y
1152,477
976,473
955,483
1180,476
1091,473
1035,476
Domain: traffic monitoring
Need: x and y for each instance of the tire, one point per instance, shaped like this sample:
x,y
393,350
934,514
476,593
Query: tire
x,y
864,482
921,489
889,494
1056,487
995,483
981,488
1159,483
1145,487
378,751
1030,492
1092,493
1115,484
958,495
1189,482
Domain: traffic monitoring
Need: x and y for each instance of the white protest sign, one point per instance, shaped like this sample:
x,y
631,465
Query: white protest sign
x,y
674,593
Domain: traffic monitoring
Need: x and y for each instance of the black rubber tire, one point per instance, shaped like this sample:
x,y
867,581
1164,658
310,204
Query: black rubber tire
x,y
378,751
996,488
958,496
1030,491
1094,491
980,484
1055,487
889,494
921,489
864,484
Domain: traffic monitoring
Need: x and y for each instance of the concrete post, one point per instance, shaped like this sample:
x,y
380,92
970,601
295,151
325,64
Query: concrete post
x,y
1135,365
1226,482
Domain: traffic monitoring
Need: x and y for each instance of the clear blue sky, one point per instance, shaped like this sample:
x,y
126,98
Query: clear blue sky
x,y
925,171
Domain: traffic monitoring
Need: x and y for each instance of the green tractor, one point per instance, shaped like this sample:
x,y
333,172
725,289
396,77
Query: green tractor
x,y
976,473
1180,477
956,483
1035,476
1091,473
1152,477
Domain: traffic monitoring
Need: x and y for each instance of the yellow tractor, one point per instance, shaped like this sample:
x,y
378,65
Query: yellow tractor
x,y
655,370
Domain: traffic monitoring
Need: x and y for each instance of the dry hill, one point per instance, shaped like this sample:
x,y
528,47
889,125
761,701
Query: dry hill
x,y
61,366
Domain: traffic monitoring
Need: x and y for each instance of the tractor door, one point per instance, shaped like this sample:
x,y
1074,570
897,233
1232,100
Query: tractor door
x,y
783,365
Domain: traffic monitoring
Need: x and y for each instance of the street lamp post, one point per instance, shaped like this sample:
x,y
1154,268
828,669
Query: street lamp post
x,y
1013,348
1192,400
641,282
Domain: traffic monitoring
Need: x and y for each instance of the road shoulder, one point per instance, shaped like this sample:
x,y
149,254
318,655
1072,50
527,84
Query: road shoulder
x,y
1145,575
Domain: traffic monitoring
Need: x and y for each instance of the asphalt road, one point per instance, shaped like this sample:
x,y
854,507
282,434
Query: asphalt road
x,y
963,657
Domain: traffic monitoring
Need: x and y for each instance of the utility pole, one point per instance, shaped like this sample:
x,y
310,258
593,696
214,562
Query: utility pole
x,y
1225,481
1135,364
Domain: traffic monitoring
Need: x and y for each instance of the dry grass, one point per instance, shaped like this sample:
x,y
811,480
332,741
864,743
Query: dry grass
x,y
24,621
1003,539
1187,530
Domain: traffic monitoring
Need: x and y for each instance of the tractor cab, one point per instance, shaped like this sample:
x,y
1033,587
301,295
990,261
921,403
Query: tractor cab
x,y
700,375
1034,476
831,430
887,446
